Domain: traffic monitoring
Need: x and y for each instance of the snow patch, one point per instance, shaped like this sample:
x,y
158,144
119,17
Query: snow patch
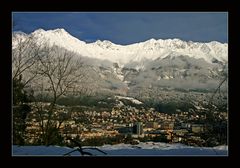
x,y
129,98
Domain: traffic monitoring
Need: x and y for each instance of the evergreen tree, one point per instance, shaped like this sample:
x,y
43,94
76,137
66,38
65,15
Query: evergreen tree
x,y
20,111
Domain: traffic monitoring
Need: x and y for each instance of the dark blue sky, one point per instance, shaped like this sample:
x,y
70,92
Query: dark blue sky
x,y
129,27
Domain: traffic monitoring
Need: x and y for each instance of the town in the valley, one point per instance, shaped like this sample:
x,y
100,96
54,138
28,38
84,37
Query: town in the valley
x,y
128,122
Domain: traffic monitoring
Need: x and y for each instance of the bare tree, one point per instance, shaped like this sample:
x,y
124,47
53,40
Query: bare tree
x,y
52,72
62,74
61,71
24,55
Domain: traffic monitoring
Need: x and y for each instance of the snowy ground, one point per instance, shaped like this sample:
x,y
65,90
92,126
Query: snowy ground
x,y
142,149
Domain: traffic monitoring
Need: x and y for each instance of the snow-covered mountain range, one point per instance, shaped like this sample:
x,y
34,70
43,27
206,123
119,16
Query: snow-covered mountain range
x,y
142,66
122,54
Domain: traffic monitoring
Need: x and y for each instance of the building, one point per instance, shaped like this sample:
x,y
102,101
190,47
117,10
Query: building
x,y
167,126
197,128
138,128
125,130
153,125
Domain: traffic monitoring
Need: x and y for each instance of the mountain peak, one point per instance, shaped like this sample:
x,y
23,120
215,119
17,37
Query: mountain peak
x,y
152,40
40,30
104,44
59,31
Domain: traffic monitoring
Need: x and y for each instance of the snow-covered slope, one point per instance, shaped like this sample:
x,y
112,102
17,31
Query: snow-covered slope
x,y
126,68
138,52
142,149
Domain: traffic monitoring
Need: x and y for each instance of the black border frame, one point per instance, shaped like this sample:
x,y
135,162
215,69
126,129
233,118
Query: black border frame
x,y
107,5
